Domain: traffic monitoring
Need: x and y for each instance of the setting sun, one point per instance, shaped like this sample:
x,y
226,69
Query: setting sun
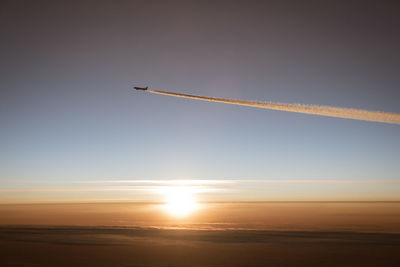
x,y
180,201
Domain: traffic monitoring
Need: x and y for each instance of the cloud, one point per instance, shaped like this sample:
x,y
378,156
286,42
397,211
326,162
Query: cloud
x,y
130,235
206,190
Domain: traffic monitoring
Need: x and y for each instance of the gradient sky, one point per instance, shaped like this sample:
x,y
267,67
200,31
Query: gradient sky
x,y
67,111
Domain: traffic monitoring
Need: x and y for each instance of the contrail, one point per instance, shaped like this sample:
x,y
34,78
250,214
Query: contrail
x,y
345,113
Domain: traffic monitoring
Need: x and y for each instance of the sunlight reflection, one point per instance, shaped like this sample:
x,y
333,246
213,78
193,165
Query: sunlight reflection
x,y
180,201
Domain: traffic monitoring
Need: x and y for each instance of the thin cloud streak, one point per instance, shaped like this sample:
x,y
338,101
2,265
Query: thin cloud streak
x,y
337,112
197,189
157,185
206,190
160,182
199,182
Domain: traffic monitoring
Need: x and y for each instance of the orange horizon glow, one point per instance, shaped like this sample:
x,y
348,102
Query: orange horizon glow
x,y
95,191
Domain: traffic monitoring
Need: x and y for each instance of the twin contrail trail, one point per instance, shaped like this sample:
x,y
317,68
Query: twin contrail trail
x,y
337,112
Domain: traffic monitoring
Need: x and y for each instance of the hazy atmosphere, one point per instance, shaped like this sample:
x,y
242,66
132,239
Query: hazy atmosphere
x,y
96,173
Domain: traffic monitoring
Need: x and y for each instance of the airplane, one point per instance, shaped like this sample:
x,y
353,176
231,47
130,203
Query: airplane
x,y
141,88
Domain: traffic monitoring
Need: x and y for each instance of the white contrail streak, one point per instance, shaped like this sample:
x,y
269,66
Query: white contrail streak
x,y
346,113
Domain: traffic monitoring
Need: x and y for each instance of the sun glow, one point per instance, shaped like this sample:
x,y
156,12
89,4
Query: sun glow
x,y
180,201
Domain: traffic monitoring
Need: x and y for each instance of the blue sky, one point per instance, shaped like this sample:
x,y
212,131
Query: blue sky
x,y
68,112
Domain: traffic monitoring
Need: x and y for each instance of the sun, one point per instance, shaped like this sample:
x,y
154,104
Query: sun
x,y
179,201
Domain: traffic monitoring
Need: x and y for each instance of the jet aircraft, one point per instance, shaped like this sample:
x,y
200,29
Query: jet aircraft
x,y
141,88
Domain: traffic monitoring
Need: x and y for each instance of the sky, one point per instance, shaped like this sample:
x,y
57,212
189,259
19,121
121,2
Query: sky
x,y
68,113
